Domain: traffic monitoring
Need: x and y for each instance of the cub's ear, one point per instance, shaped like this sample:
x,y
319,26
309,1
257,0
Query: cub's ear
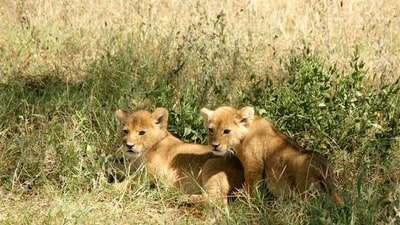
x,y
245,116
160,115
207,114
121,115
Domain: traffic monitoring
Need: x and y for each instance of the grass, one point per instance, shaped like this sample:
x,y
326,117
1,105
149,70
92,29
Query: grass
x,y
327,79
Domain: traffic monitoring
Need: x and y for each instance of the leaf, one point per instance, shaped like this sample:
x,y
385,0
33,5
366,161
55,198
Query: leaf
x,y
90,150
359,179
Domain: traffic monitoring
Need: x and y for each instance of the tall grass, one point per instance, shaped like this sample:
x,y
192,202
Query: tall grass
x,y
330,83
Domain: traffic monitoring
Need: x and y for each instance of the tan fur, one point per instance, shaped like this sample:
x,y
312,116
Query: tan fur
x,y
266,153
190,167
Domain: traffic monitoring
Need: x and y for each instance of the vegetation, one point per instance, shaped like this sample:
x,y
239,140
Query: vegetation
x,y
330,83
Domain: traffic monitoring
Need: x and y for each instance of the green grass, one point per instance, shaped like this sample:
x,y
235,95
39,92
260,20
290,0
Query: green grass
x,y
59,90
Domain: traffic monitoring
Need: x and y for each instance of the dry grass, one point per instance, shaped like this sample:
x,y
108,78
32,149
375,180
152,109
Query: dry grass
x,y
66,36
117,203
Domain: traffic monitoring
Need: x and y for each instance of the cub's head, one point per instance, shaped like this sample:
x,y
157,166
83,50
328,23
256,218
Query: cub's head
x,y
141,130
227,127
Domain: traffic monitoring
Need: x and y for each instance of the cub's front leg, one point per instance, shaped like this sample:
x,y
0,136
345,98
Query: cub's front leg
x,y
253,173
253,167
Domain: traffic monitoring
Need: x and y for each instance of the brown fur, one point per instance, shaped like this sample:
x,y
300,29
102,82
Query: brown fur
x,y
190,167
266,153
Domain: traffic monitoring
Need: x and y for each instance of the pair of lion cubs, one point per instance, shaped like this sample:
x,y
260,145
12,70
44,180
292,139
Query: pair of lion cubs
x,y
265,153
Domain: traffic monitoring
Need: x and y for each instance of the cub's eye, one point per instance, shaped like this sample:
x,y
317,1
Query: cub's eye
x,y
210,130
142,132
227,131
126,131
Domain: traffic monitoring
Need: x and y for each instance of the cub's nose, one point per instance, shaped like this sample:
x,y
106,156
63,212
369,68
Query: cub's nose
x,y
215,146
129,146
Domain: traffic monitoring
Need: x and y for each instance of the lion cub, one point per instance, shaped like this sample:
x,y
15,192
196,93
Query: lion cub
x,y
266,153
190,167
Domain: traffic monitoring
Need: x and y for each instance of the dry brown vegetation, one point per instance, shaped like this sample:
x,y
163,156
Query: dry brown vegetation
x,y
66,35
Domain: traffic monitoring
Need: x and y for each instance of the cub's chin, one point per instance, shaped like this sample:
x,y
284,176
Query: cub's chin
x,y
219,152
132,154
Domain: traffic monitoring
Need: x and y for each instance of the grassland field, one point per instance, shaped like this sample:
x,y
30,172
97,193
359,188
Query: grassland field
x,y
324,72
